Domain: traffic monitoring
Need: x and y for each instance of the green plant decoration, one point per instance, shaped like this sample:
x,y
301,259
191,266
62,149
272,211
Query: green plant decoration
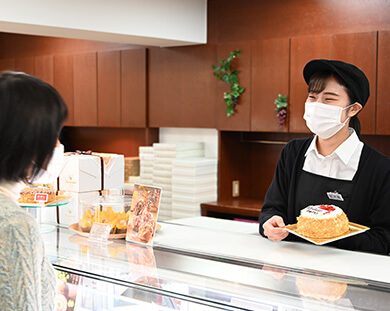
x,y
281,108
224,73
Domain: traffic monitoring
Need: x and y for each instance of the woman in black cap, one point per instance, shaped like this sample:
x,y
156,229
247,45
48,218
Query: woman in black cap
x,y
334,167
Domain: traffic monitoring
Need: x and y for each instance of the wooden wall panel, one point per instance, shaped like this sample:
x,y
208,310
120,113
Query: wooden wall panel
x,y
43,68
133,88
252,20
383,84
240,120
7,64
303,49
360,49
182,87
270,77
63,82
108,88
25,64
14,45
85,89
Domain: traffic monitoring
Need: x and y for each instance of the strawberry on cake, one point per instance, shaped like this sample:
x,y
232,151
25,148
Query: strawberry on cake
x,y
322,222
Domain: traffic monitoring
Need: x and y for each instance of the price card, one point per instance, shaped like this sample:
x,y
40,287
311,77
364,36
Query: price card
x,y
41,197
99,232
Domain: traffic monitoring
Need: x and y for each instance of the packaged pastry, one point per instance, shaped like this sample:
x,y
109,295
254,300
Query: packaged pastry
x,y
107,210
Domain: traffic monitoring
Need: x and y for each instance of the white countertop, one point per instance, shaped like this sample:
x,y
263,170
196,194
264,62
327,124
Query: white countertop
x,y
241,240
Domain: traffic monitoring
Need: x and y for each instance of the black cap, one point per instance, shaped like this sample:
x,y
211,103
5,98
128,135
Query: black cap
x,y
354,78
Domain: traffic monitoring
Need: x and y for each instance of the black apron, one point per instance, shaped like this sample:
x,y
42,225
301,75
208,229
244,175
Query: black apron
x,y
316,189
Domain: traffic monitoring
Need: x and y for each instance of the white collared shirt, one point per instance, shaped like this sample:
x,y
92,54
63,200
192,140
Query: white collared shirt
x,y
341,164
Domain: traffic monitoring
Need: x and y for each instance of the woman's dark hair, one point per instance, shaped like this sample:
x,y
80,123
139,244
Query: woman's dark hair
x,y
31,116
318,83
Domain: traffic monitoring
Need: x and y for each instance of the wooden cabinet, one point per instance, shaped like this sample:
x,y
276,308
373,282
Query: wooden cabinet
x,y
360,49
25,64
270,77
7,64
383,84
43,68
108,89
344,47
133,88
85,89
240,120
63,82
182,87
303,49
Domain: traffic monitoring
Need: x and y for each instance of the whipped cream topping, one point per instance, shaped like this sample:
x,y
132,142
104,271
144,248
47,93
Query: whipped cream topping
x,y
321,211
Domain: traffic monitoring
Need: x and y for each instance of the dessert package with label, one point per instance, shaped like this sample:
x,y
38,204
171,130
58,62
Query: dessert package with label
x,y
143,214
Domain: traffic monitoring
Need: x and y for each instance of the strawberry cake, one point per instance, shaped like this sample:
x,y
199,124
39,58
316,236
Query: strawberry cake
x,y
322,222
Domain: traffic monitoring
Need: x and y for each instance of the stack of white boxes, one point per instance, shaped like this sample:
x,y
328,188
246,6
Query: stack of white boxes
x,y
156,168
194,181
146,165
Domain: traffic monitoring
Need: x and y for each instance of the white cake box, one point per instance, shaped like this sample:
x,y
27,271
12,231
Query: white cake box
x,y
82,173
114,170
69,214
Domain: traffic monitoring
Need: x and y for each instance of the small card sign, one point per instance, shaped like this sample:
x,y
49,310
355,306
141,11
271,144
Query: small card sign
x,y
41,197
99,232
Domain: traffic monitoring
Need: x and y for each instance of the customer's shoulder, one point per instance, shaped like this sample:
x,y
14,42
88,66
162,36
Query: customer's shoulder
x,y
14,217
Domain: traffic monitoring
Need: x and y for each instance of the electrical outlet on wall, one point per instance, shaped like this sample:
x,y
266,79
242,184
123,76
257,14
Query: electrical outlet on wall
x,y
236,188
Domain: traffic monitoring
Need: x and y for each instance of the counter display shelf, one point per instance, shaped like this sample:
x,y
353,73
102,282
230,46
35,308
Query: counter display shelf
x,y
193,267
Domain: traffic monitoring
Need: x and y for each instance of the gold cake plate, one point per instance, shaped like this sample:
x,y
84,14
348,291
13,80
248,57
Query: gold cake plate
x,y
353,230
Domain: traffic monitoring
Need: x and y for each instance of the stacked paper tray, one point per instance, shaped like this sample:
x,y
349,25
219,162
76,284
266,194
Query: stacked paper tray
x,y
178,150
163,157
195,167
146,156
200,181
178,214
195,190
194,181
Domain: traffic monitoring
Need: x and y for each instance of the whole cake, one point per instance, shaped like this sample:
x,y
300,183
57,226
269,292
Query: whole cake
x,y
320,289
31,195
322,222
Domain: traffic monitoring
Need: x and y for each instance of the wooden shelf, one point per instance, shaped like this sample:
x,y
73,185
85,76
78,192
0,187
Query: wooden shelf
x,y
241,207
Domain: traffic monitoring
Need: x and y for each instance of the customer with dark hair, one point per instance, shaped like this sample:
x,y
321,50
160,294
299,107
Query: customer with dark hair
x,y
31,116
334,161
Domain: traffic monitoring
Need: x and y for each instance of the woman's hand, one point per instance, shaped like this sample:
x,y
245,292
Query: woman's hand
x,y
274,228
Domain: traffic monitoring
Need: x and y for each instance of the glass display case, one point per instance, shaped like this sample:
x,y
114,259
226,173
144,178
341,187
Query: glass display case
x,y
124,276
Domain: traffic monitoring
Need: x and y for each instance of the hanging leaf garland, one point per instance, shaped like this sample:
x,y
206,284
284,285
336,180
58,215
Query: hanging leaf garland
x,y
224,73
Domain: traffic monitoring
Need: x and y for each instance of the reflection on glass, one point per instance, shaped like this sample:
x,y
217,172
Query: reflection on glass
x,y
142,264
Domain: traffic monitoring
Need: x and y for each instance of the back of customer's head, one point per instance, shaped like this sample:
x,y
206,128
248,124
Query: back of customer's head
x,y
31,116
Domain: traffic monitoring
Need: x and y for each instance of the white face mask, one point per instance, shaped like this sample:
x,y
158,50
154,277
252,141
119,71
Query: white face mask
x,y
324,120
54,167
